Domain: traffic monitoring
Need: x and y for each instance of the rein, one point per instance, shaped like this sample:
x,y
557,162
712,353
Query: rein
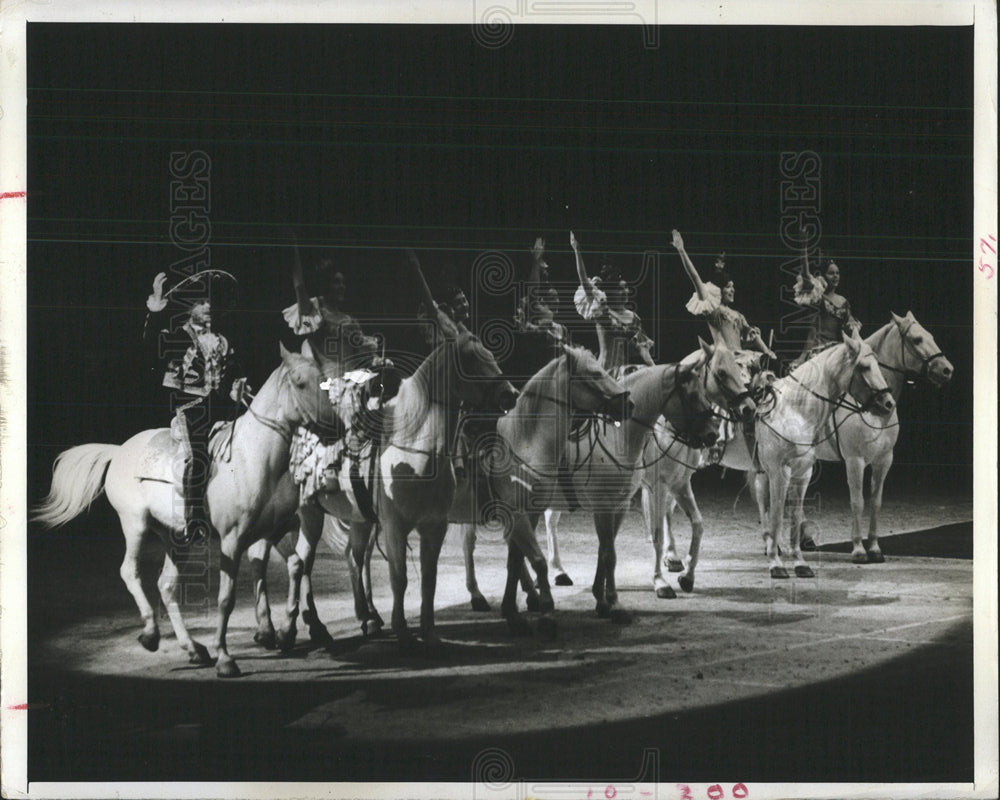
x,y
911,375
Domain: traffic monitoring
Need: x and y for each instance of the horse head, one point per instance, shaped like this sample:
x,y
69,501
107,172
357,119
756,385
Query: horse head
x,y
867,378
591,389
475,377
919,354
301,399
725,381
696,421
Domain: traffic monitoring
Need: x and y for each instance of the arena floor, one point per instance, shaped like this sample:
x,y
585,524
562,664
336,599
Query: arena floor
x,y
851,676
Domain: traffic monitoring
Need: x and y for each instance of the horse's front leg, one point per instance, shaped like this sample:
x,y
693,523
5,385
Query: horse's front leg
x,y
685,498
607,525
362,540
880,468
552,517
229,563
778,480
652,513
797,492
431,538
516,622
396,532
310,528
855,482
258,555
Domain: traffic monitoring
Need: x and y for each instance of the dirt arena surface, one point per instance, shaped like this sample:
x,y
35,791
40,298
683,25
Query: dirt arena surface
x,y
857,675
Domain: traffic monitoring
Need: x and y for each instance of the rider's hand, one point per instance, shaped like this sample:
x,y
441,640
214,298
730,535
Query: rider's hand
x,y
156,301
676,239
573,242
238,390
538,250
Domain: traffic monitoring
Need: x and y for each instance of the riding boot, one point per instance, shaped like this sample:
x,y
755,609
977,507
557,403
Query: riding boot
x,y
196,526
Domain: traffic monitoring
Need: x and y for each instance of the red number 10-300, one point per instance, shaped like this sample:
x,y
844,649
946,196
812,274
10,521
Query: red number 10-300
x,y
715,792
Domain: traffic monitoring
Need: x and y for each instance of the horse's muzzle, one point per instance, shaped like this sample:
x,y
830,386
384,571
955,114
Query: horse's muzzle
x,y
745,409
618,408
940,371
881,403
708,438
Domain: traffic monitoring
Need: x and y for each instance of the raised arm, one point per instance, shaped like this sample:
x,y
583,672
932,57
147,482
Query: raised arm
x,y
699,284
581,270
299,282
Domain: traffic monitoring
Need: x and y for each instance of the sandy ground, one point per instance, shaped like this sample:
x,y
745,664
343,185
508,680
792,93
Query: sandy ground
x,y
764,655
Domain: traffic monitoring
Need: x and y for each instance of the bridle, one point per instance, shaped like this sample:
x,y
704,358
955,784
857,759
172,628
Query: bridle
x,y
906,345
284,429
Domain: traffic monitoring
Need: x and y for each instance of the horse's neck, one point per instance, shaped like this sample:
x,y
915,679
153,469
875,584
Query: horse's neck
x,y
821,385
262,446
539,421
418,419
647,389
887,343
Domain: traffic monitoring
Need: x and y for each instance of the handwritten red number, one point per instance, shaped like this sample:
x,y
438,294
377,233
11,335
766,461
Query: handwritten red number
x,y
590,793
685,791
984,245
987,268
611,793
740,791
716,792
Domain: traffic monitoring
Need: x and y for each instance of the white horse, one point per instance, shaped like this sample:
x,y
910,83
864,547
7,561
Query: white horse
x,y
523,474
250,494
671,461
607,464
414,482
791,427
859,437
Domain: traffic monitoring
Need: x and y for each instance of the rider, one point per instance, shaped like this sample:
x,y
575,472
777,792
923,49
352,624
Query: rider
x,y
540,335
726,324
833,316
201,374
602,299
334,339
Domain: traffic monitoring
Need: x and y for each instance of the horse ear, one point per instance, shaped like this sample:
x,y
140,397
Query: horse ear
x,y
706,348
853,343
896,318
910,317
285,354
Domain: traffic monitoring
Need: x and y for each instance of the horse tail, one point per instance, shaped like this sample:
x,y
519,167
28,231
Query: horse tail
x,y
77,480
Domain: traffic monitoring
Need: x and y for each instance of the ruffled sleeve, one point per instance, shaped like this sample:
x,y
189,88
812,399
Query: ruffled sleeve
x,y
712,301
812,296
590,307
303,324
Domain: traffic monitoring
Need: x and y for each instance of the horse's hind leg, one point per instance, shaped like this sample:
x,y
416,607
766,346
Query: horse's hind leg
x,y
797,493
258,554
135,534
310,528
167,584
468,532
652,512
880,468
362,544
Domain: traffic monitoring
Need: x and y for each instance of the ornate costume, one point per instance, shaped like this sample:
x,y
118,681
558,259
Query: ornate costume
x,y
616,330
728,326
833,317
334,339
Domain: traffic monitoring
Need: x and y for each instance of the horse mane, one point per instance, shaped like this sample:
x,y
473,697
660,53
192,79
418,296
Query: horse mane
x,y
411,405
645,390
878,338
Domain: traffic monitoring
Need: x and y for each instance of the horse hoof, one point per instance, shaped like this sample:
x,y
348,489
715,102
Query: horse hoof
x,y
319,635
666,592
479,604
807,544
859,558
603,609
150,641
875,557
686,582
518,625
546,605
286,639
675,565
547,628
227,669
621,616
265,639
562,579
198,655
371,627
779,572
804,571
533,603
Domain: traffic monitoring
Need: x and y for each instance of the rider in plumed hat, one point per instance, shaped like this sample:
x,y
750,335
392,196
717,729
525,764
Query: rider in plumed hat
x,y
199,371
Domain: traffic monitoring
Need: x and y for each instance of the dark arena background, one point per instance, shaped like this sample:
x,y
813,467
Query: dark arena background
x,y
364,140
